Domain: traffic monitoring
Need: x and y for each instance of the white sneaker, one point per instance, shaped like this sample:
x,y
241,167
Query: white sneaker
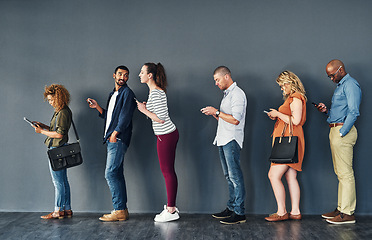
x,y
165,208
166,216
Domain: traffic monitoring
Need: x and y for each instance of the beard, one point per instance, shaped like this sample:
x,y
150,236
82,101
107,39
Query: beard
x,y
120,82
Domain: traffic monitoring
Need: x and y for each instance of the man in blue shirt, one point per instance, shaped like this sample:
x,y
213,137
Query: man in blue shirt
x,y
229,139
342,136
117,135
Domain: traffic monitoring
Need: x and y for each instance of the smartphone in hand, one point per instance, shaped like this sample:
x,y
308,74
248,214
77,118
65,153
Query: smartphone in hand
x,y
319,107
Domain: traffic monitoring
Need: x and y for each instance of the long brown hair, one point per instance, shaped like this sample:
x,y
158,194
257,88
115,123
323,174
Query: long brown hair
x,y
60,95
158,73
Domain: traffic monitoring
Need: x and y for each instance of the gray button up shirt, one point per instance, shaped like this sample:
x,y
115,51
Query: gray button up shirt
x,y
234,102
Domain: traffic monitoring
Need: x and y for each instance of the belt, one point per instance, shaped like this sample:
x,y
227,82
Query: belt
x,y
331,125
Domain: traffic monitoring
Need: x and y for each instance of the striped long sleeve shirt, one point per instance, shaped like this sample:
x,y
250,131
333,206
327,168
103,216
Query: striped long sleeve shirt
x,y
157,103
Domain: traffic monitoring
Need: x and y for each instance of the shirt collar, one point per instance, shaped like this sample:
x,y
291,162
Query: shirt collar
x,y
227,91
120,89
343,79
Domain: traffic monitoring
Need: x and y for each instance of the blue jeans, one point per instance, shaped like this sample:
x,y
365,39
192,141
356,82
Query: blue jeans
x,y
62,196
230,161
114,173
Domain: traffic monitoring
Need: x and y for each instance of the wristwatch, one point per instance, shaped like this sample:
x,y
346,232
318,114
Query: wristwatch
x,y
217,113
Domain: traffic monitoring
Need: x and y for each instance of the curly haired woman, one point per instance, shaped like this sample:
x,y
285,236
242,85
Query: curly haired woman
x,y
57,135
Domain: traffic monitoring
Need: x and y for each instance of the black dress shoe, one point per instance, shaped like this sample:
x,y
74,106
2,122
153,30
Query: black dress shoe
x,y
234,219
224,214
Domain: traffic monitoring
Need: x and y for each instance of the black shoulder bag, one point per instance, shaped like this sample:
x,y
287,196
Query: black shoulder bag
x,y
65,156
285,148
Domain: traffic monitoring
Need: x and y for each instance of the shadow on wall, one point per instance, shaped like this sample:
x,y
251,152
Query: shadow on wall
x,y
145,183
256,146
199,167
362,162
89,178
317,148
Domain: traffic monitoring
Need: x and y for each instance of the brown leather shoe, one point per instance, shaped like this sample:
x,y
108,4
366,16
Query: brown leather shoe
x,y
116,215
342,218
68,213
275,217
331,214
295,217
54,215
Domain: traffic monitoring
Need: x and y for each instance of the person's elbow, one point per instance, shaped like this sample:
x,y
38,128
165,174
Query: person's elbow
x,y
58,135
295,122
354,113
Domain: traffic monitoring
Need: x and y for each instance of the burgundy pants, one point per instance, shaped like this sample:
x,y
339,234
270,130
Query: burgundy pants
x,y
166,146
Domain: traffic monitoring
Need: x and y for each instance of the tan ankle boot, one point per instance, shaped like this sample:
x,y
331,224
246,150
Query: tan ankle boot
x,y
116,215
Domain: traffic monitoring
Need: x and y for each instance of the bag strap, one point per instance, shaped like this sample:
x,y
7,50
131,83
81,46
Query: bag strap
x,y
76,133
290,130
73,125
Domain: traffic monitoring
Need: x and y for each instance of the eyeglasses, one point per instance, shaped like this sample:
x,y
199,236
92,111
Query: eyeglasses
x,y
333,75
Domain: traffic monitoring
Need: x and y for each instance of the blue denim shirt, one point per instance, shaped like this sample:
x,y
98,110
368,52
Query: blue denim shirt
x,y
345,104
122,115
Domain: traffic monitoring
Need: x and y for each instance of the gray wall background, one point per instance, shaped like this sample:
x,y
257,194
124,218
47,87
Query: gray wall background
x,y
79,43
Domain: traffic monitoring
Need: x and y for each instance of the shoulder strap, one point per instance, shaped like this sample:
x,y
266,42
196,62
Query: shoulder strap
x,y
76,133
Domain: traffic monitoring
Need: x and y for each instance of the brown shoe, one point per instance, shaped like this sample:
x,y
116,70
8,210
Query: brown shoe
x,y
275,217
331,214
54,215
342,218
68,213
116,215
295,217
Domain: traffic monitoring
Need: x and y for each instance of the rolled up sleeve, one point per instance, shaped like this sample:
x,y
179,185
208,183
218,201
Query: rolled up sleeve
x,y
238,105
63,123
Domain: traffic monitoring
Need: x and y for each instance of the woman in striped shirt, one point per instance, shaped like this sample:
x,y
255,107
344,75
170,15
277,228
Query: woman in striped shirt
x,y
166,132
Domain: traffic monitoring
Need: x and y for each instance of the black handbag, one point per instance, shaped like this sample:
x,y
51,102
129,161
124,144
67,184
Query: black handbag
x,y
66,156
285,148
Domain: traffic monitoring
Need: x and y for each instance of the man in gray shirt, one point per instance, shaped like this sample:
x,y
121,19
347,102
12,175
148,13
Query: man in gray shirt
x,y
229,139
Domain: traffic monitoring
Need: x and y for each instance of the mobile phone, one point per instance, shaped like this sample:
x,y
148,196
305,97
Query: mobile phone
x,y
136,99
265,111
90,102
317,105
29,122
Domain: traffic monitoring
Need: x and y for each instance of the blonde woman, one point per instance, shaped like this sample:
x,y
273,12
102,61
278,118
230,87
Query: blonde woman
x,y
57,135
294,107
